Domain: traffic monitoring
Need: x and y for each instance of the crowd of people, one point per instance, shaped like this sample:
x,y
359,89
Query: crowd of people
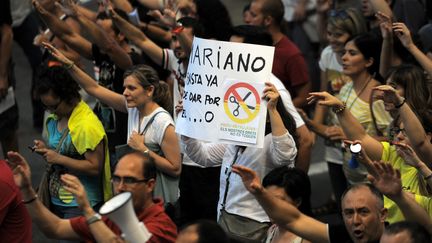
x,y
357,73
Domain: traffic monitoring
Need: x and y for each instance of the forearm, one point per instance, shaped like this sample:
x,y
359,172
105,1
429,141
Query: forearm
x,y
99,229
5,50
204,154
123,5
306,142
156,33
83,166
350,125
416,133
170,167
423,60
412,211
152,4
46,221
131,32
277,126
426,173
386,55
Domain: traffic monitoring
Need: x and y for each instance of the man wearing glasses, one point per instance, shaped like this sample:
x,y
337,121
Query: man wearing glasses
x,y
135,173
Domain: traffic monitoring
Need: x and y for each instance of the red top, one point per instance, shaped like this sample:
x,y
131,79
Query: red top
x,y
154,218
289,65
15,221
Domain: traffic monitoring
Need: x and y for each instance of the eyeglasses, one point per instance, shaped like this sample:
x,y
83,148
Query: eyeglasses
x,y
127,180
396,130
51,107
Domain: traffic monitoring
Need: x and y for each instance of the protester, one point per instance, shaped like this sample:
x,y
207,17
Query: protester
x,y
342,26
75,143
293,186
135,173
405,232
150,127
9,115
362,208
288,62
15,221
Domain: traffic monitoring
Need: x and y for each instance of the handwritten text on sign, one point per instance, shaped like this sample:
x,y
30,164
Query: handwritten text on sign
x,y
223,86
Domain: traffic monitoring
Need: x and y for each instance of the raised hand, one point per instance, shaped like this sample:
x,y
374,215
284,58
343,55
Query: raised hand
x,y
362,157
271,95
389,95
385,24
73,185
168,18
386,179
68,7
249,177
403,33
20,168
407,153
324,98
57,54
39,7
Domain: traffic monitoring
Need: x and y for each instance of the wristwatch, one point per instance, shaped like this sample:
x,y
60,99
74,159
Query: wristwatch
x,y
146,152
96,217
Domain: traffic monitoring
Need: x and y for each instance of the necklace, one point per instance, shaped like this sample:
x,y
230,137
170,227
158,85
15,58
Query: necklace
x,y
358,95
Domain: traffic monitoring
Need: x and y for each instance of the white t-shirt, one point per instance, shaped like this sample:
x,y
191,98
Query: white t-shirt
x,y
156,131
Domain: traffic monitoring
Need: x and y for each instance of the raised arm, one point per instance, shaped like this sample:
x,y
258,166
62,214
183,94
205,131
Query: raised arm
x,y
98,229
137,37
411,158
90,85
419,140
388,181
51,225
404,36
387,44
282,213
62,31
106,43
351,127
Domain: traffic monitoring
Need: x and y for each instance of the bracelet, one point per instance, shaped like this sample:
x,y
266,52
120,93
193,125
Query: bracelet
x,y
30,200
69,66
428,177
401,104
340,109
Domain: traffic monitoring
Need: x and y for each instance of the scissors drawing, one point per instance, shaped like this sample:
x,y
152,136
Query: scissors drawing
x,y
233,99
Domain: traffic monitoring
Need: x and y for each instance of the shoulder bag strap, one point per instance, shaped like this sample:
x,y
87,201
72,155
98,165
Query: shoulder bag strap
x,y
229,171
63,137
150,122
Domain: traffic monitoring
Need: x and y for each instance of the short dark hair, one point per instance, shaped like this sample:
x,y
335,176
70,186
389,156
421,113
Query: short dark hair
x,y
296,184
372,189
197,27
253,34
417,232
59,81
149,167
275,9
209,231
